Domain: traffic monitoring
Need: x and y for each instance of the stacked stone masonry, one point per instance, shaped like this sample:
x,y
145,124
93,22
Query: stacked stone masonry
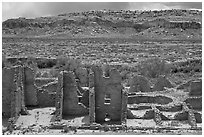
x,y
95,93
108,95
12,92
30,87
67,100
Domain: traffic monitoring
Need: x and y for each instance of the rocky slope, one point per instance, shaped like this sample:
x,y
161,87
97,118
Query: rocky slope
x,y
164,24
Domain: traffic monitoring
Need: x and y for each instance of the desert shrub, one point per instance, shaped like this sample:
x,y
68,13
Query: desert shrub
x,y
187,66
61,61
68,64
152,67
46,63
47,73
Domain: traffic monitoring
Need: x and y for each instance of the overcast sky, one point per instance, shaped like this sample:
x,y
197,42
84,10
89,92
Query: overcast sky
x,y
38,9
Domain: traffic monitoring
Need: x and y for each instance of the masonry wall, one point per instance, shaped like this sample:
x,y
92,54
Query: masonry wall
x,y
12,91
71,105
196,88
7,87
46,98
107,87
46,95
67,101
44,81
30,87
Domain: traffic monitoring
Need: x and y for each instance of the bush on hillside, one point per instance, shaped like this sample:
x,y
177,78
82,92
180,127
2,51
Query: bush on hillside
x,y
152,67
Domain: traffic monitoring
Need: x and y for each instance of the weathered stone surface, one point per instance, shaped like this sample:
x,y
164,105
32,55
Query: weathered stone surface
x,y
12,92
71,104
191,119
130,115
139,83
8,86
124,109
160,99
107,89
196,88
106,70
30,87
181,116
162,82
91,79
46,98
82,74
198,117
80,91
85,98
186,114
191,116
194,102
157,115
149,114
139,107
44,81
163,117
172,108
92,106
30,62
59,97
50,87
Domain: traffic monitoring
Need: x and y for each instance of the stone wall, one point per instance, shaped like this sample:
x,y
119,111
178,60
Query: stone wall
x,y
59,97
30,87
196,88
82,75
71,104
46,98
194,102
159,99
44,81
67,100
108,95
12,92
43,96
7,87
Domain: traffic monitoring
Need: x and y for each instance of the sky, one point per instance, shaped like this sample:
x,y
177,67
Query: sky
x,y
39,9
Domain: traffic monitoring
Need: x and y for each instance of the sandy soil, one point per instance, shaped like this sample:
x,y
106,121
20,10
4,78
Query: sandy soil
x,y
38,122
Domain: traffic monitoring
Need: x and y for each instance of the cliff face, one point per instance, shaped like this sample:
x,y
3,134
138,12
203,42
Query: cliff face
x,y
23,23
101,22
